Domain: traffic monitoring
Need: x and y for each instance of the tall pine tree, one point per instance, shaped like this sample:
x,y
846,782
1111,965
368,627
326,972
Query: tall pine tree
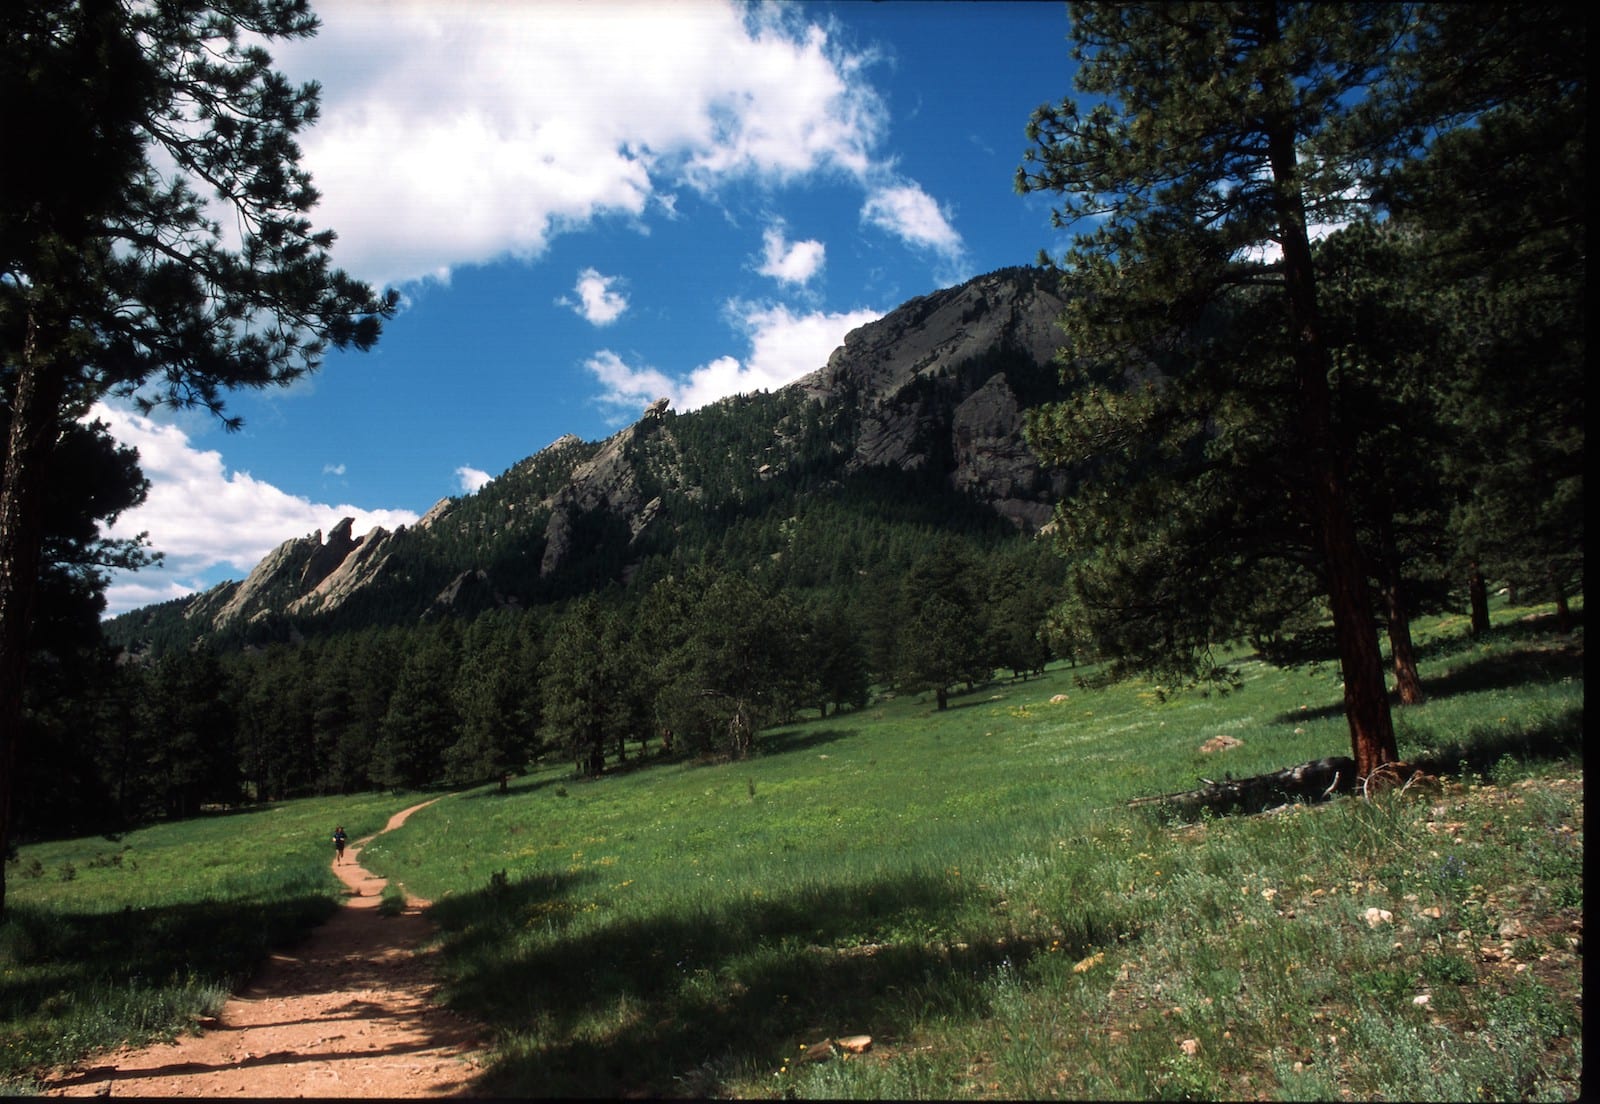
x,y
122,121
1212,144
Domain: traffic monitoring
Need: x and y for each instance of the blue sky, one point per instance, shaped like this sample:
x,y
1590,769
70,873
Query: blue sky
x,y
587,207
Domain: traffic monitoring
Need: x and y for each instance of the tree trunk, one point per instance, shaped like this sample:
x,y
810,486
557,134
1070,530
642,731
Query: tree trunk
x,y
1408,684
1366,696
1307,782
1563,611
1406,680
1478,598
942,696
35,407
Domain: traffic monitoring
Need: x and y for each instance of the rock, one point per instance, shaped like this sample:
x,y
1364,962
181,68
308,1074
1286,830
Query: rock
x,y
941,382
817,1052
363,564
1191,1047
855,1044
435,513
1377,917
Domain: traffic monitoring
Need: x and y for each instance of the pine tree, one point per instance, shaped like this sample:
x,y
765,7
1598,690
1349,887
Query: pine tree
x,y
1219,130
115,278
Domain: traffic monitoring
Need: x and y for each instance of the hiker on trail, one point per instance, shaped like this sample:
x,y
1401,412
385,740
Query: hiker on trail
x,y
338,845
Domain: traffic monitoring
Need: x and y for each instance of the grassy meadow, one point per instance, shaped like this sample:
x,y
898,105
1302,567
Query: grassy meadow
x,y
132,937
967,887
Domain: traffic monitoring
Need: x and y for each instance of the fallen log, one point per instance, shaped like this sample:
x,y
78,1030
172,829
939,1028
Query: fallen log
x,y
1313,781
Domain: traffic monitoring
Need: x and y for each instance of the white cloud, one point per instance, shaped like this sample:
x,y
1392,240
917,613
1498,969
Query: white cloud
x,y
333,469
456,134
627,390
205,518
597,301
783,347
910,214
471,479
790,262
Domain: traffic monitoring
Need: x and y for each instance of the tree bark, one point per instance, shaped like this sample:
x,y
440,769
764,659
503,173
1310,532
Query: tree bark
x,y
1478,599
1308,782
1366,696
1563,611
1408,684
35,408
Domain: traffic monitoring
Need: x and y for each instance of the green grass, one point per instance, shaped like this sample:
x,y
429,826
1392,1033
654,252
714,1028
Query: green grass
x,y
969,888
109,939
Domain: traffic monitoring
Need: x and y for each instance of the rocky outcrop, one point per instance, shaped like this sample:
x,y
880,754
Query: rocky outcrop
x,y
469,592
609,482
362,564
994,463
301,576
275,580
940,385
935,384
435,514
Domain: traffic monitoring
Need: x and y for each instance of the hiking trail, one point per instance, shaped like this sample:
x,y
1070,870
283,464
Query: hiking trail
x,y
349,1012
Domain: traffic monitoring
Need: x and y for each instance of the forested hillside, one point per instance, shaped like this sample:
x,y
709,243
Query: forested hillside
x,y
1253,403
678,586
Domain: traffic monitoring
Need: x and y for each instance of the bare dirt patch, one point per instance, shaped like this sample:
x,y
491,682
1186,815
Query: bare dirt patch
x,y
348,1013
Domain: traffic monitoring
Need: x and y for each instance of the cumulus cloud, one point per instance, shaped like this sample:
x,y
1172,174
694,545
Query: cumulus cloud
x,y
597,301
627,389
205,518
458,133
783,347
790,262
471,479
912,215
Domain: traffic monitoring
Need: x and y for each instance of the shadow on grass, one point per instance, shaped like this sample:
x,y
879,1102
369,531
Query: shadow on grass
x,y
793,740
1478,752
59,962
681,1004
1529,663
1559,738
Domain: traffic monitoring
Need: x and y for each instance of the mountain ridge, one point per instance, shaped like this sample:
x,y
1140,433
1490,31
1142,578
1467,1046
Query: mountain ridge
x,y
933,393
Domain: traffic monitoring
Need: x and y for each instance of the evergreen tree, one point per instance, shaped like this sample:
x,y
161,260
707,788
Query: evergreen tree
x,y
836,659
189,727
944,625
585,684
116,278
1500,213
490,701
1219,129
421,721
71,687
735,666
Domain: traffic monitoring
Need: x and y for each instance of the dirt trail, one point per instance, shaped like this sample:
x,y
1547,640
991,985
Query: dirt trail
x,y
347,1013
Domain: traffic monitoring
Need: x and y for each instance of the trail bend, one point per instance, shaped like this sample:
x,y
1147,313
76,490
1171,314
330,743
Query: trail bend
x,y
349,1012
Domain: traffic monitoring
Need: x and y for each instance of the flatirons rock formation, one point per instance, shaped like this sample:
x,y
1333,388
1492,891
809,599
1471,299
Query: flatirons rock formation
x,y
937,387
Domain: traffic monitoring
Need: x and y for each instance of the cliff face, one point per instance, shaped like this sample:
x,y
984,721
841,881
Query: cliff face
x,y
940,381
938,386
